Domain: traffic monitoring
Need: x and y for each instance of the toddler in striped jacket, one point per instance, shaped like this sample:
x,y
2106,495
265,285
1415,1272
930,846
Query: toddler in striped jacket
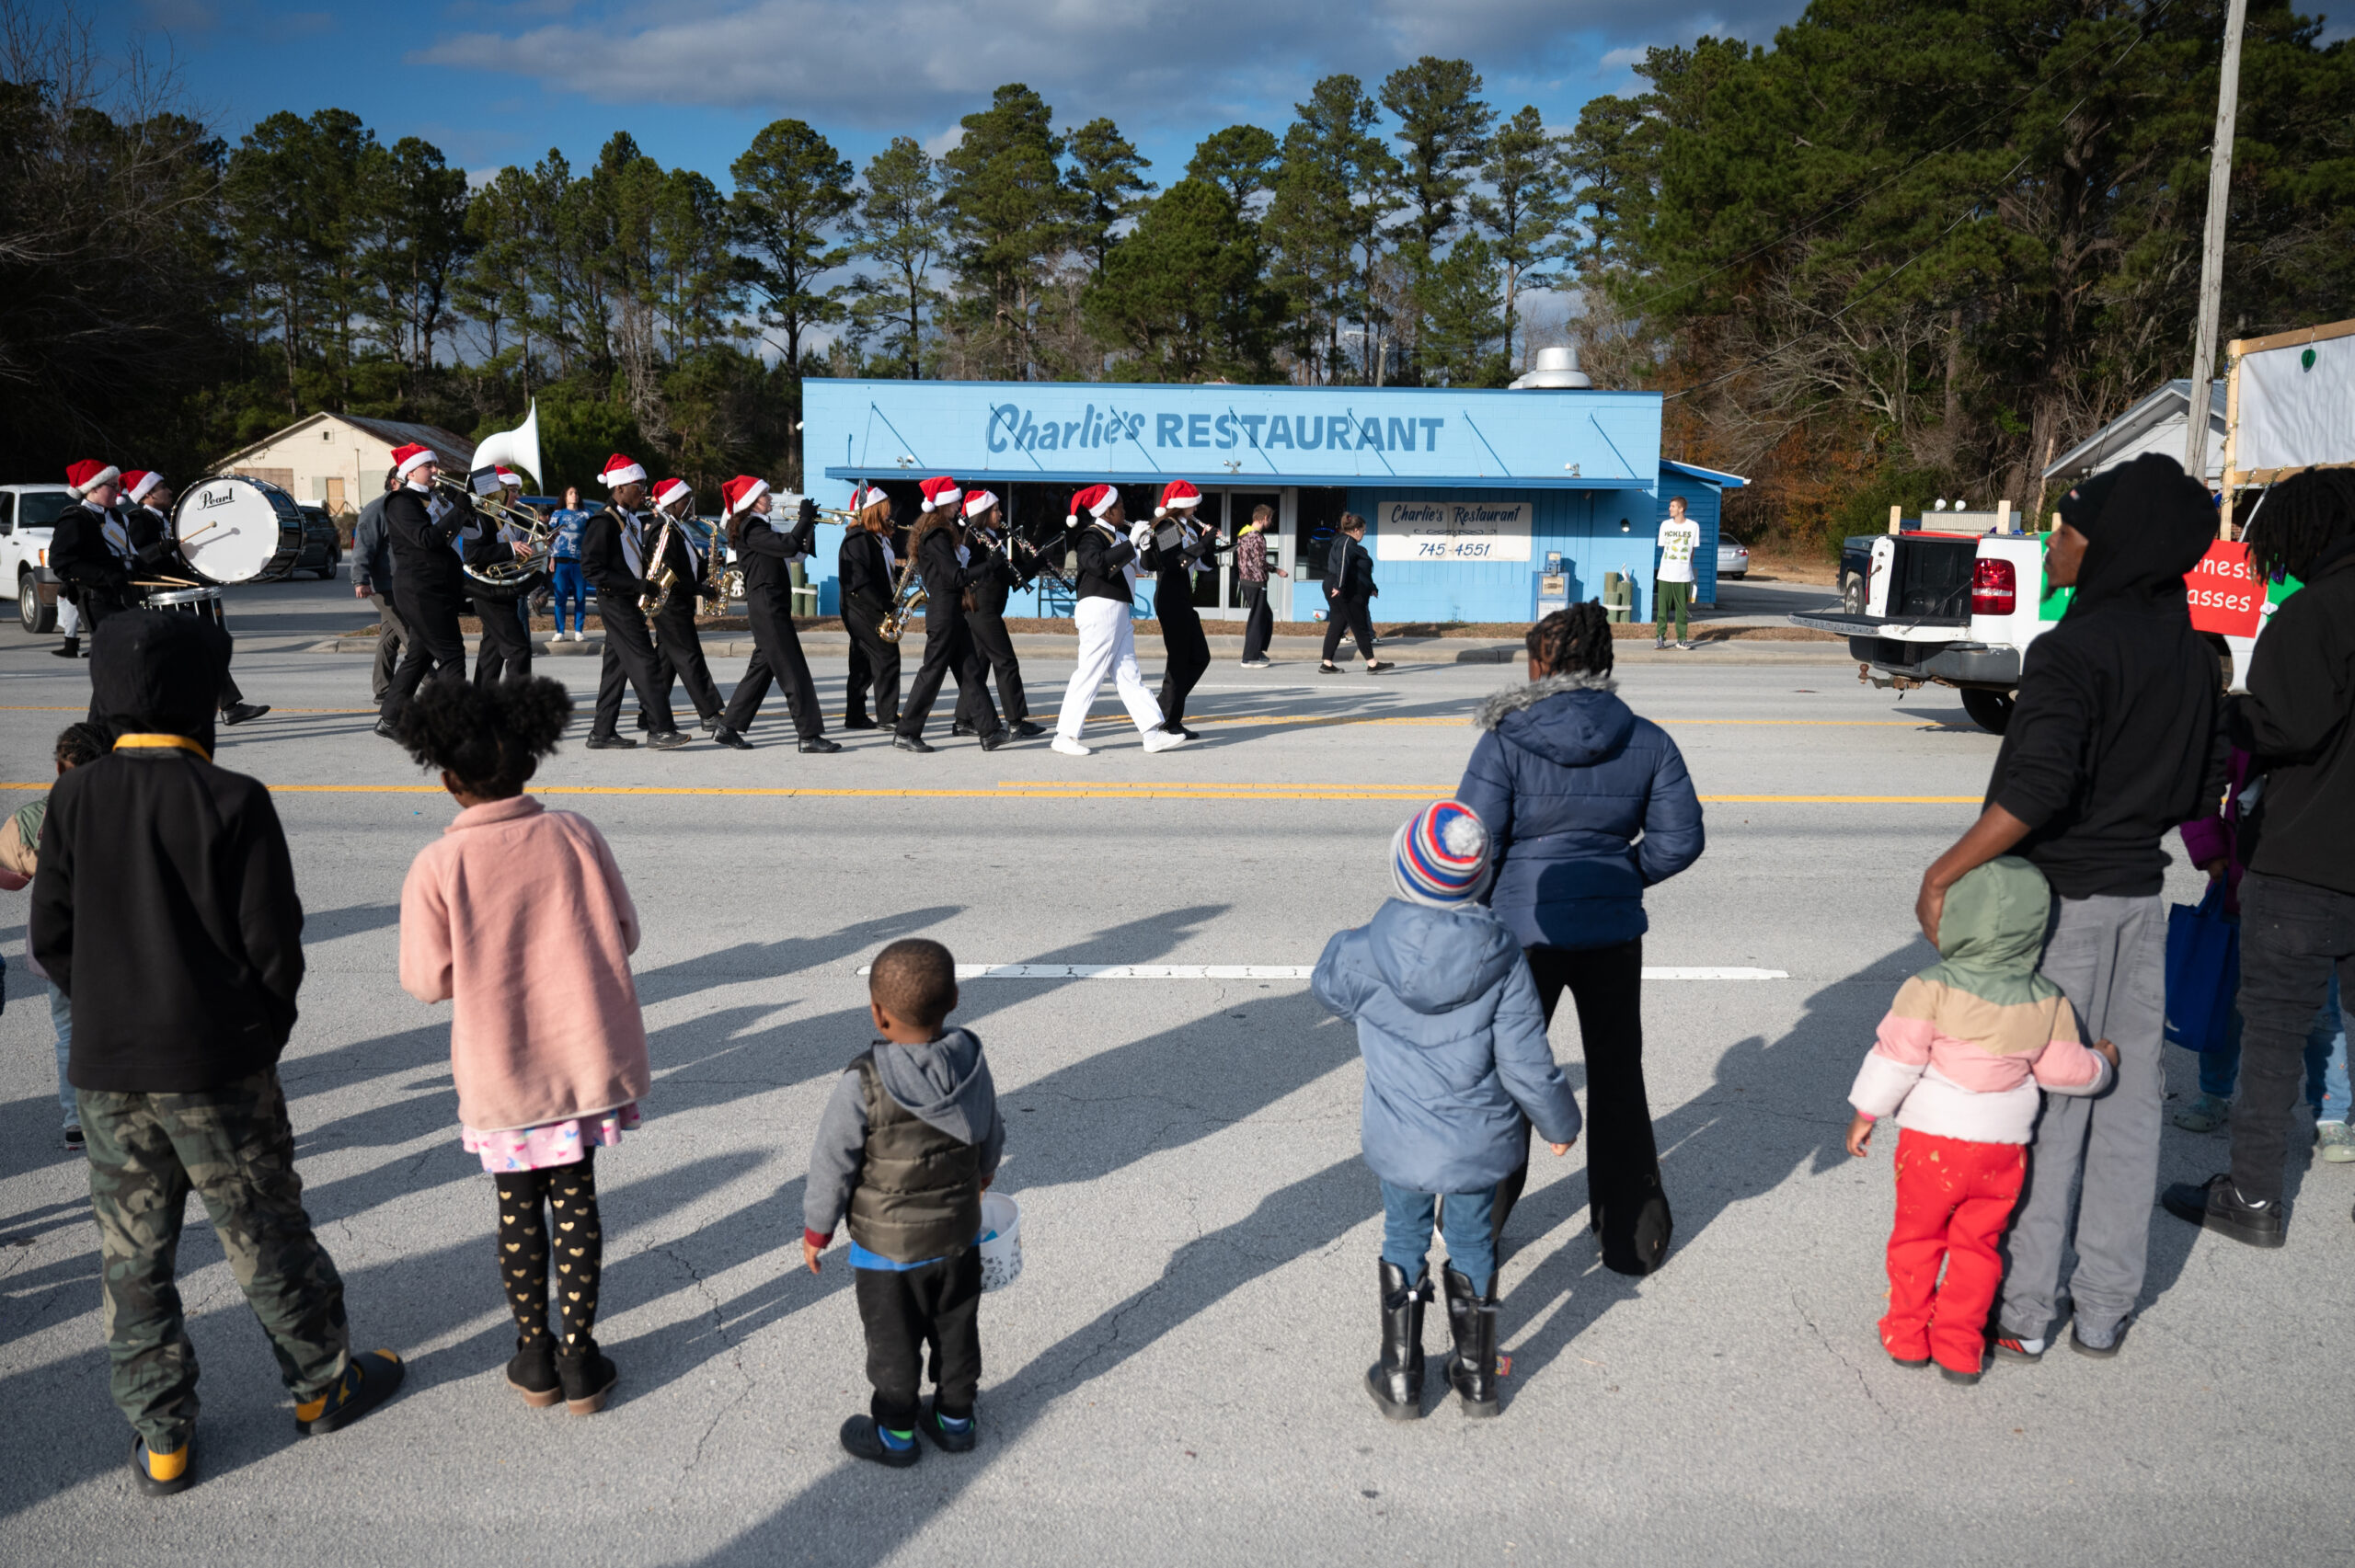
x,y
1959,1061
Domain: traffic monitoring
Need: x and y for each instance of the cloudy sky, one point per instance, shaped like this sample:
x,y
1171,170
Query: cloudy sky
x,y
497,83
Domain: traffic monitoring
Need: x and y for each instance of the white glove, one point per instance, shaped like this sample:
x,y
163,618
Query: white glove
x,y
1139,533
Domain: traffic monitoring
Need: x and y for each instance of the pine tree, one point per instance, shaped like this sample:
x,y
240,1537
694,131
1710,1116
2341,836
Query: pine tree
x,y
1107,186
900,219
1239,160
1443,129
792,190
1186,293
1012,216
1521,210
1331,196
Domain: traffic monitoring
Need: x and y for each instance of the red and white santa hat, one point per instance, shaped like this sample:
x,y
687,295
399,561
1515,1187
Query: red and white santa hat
x,y
941,494
1177,496
137,483
621,470
87,475
408,459
979,501
508,477
1095,500
868,494
672,491
743,494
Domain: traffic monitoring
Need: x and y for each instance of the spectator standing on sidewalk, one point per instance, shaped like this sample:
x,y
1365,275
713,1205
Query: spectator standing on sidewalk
x,y
2113,744
372,578
2298,896
565,582
1680,542
1252,567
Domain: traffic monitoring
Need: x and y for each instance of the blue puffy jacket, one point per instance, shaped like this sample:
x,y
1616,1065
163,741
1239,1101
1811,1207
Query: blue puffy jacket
x,y
1455,1045
1586,805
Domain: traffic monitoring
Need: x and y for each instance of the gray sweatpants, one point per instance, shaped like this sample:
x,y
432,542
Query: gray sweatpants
x,y
2092,1166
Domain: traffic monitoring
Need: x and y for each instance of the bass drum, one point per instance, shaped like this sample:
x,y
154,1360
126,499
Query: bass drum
x,y
229,528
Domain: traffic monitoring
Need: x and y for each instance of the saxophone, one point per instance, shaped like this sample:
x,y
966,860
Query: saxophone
x,y
663,577
907,597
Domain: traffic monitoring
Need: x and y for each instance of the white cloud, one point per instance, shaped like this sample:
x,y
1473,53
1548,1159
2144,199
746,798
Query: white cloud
x,y
885,63
1620,58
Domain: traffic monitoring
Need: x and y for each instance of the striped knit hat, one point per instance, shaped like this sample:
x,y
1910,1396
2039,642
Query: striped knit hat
x,y
1441,856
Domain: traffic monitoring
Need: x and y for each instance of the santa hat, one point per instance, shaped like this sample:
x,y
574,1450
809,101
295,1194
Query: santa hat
x,y
941,494
1178,496
868,494
743,494
1095,500
509,477
671,490
408,459
620,470
87,475
138,481
979,501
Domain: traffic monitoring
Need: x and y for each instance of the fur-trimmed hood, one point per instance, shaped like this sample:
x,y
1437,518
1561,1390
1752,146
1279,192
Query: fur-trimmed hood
x,y
1571,719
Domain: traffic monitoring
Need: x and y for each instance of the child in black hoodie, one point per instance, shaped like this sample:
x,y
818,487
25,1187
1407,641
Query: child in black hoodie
x,y
908,1144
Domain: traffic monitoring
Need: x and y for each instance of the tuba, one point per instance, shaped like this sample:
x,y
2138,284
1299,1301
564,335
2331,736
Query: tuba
x,y
520,447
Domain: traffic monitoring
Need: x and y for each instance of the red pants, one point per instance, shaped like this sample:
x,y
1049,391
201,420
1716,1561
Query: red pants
x,y
1953,1198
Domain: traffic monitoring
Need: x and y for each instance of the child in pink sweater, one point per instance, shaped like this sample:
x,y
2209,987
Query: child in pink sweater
x,y
518,916
1966,1046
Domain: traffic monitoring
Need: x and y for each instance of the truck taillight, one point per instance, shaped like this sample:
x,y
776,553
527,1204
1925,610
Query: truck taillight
x,y
1994,587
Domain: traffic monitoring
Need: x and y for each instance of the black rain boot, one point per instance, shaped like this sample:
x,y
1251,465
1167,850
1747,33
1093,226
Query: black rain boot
x,y
533,1372
1397,1380
1472,1366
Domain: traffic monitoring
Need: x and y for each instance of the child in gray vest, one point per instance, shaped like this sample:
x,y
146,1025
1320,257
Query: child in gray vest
x,y
908,1144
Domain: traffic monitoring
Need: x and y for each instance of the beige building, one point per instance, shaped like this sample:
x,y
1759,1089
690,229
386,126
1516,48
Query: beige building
x,y
338,461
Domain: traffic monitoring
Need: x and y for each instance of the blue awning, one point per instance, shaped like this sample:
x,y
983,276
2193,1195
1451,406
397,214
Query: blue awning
x,y
1707,476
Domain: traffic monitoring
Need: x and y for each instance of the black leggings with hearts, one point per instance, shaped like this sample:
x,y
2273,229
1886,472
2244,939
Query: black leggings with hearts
x,y
543,1210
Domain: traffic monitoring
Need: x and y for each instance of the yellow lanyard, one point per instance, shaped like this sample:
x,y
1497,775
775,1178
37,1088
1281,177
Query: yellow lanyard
x,y
182,742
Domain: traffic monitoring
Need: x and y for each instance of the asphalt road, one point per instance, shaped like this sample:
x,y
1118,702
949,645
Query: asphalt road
x,y
1176,1376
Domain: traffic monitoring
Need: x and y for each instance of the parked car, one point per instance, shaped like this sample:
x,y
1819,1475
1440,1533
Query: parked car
x,y
25,513
322,545
1733,557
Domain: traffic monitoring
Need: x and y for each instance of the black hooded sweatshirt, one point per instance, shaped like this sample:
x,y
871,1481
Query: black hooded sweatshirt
x,y
2298,722
2115,740
165,905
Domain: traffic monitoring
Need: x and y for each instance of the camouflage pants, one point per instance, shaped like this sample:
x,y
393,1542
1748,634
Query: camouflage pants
x,y
235,1148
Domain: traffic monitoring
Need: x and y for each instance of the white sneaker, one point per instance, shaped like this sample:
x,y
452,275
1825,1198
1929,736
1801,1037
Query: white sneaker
x,y
1070,748
1162,740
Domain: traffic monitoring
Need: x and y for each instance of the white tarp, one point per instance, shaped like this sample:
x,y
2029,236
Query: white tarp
x,y
1443,530
2297,407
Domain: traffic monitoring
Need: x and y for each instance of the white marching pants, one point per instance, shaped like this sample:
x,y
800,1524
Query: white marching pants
x,y
1107,645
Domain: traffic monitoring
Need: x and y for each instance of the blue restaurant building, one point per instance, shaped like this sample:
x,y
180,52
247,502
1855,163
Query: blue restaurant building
x,y
1478,504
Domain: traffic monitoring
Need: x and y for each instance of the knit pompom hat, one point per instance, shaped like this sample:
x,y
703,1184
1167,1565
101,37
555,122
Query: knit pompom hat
x,y
1441,856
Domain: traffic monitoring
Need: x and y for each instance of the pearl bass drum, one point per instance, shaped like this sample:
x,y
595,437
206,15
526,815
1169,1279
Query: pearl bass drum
x,y
229,528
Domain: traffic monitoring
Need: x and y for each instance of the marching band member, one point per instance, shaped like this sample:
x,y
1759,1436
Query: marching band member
x,y
149,526
483,541
868,572
678,645
765,555
428,582
1187,652
613,557
1108,644
995,576
88,548
940,555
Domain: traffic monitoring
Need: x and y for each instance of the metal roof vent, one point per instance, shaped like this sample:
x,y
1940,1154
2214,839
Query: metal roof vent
x,y
1558,370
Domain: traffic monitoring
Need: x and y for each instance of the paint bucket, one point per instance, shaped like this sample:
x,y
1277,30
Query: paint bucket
x,y
1001,1241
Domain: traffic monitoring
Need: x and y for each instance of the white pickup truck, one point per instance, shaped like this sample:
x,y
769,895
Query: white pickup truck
x,y
1960,610
25,513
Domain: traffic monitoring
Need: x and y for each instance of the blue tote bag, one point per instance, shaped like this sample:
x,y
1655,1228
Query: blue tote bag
x,y
2203,972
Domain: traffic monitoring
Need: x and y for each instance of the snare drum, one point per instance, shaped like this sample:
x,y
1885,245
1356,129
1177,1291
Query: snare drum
x,y
229,528
204,602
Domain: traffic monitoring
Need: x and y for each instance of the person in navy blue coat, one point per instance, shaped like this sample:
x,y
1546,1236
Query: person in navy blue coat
x,y
1587,806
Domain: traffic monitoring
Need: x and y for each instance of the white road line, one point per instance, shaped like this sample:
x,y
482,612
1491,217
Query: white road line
x,y
1272,972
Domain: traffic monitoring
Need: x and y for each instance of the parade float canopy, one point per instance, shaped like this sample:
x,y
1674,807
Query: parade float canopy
x,y
2291,404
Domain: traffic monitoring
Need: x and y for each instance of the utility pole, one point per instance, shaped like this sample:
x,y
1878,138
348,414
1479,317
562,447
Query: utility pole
x,y
2211,261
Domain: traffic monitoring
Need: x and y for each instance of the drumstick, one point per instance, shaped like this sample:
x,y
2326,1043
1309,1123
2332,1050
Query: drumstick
x,y
200,532
163,582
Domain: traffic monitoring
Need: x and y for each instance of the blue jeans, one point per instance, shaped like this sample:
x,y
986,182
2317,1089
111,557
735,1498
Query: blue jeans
x,y
570,588
61,1014
1406,1233
2327,1086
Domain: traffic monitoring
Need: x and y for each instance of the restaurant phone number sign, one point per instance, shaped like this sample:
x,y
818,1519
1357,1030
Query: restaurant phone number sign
x,y
1451,531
